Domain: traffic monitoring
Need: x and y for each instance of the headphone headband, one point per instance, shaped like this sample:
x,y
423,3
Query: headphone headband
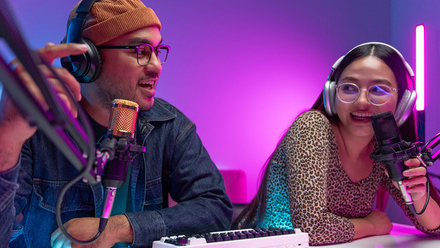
x,y
84,67
408,67
76,24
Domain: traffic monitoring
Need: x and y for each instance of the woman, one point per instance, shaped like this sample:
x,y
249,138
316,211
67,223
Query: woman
x,y
321,178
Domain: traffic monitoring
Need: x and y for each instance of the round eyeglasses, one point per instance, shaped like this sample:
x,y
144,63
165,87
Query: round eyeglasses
x,y
144,51
377,94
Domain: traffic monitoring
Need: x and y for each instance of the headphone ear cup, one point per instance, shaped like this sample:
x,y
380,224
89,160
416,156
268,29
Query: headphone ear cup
x,y
405,107
329,94
84,67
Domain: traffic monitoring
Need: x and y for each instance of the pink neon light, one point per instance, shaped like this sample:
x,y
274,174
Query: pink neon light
x,y
420,67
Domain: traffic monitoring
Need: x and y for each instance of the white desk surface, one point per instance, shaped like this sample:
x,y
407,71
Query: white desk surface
x,y
401,236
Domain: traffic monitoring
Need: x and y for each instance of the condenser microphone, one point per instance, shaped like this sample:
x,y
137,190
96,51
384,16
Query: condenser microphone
x,y
120,133
392,151
117,149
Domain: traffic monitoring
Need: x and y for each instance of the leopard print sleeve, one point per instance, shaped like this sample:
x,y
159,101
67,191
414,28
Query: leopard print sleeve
x,y
310,146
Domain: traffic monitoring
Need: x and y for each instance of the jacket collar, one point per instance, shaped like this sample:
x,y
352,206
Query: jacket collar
x,y
159,113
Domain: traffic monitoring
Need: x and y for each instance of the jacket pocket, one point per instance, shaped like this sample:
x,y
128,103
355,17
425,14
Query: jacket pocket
x,y
153,194
77,197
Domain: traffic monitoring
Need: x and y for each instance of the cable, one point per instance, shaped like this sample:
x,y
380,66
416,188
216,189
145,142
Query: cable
x,y
58,209
411,206
90,162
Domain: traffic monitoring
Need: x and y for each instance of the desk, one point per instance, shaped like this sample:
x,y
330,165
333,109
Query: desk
x,y
401,236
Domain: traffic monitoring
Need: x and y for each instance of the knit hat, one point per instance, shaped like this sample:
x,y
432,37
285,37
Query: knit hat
x,y
109,19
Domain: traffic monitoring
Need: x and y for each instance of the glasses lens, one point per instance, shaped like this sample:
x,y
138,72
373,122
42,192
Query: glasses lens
x,y
379,94
348,92
162,53
143,54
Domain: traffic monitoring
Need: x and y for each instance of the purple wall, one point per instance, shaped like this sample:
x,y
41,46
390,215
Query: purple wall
x,y
241,70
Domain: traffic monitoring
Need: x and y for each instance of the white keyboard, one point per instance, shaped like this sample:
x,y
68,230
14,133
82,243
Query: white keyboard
x,y
243,238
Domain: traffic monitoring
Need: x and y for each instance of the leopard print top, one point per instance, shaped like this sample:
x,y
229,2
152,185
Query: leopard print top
x,y
308,188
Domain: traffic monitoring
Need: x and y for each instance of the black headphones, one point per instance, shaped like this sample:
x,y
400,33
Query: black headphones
x,y
405,106
84,67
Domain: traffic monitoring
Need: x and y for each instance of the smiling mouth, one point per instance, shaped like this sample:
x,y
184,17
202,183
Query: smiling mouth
x,y
147,85
361,116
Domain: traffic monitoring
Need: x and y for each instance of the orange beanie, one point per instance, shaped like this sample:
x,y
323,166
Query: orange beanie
x,y
109,19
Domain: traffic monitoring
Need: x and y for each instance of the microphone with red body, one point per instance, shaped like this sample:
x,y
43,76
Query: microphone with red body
x,y
116,150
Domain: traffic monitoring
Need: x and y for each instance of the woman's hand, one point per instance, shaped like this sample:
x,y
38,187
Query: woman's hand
x,y
416,185
416,182
375,223
380,221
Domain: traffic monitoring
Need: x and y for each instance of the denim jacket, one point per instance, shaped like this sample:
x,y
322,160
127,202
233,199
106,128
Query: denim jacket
x,y
8,187
175,163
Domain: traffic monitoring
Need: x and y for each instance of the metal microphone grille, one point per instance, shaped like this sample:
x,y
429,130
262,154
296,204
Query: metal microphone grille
x,y
122,120
385,128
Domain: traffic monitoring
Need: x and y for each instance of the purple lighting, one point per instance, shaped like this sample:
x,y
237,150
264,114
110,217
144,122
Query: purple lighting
x,y
420,67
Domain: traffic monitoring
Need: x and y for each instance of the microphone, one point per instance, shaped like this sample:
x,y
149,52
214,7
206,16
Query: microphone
x,y
392,151
115,152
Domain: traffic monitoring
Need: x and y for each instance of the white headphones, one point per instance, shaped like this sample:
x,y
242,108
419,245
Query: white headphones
x,y
405,106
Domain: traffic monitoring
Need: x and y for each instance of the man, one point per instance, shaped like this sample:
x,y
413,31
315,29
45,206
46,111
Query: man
x,y
175,161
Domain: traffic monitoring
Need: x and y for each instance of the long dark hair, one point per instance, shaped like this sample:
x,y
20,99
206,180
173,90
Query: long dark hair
x,y
254,212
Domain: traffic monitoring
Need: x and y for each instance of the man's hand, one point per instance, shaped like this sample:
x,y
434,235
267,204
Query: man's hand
x,y
118,230
49,53
14,129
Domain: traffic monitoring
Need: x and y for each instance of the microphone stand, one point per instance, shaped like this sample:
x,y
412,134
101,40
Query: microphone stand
x,y
58,124
74,138
431,158
392,151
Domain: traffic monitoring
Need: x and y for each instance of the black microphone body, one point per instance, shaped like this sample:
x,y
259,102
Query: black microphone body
x,y
392,151
117,149
115,170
